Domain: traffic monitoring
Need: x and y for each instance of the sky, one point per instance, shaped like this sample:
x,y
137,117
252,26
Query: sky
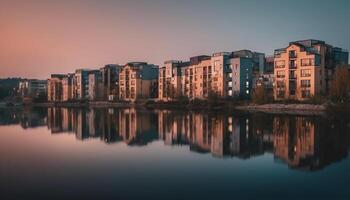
x,y
41,37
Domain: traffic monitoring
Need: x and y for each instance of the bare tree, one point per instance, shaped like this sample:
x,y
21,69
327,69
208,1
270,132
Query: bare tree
x,y
340,87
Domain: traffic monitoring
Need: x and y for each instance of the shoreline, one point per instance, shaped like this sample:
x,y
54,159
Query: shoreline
x,y
294,109
272,108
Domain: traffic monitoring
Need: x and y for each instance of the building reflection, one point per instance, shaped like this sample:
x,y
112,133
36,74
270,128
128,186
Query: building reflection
x,y
26,118
307,143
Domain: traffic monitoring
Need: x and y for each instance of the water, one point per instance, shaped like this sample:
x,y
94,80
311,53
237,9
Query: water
x,y
133,154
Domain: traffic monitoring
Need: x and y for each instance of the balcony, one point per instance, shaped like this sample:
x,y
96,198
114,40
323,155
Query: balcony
x,y
292,54
292,66
292,76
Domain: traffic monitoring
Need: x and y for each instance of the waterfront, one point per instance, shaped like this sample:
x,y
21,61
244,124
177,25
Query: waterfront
x,y
159,154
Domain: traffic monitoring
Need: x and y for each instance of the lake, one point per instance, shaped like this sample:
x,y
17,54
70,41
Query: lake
x,y
109,153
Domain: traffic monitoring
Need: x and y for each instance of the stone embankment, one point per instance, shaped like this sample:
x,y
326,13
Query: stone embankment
x,y
302,109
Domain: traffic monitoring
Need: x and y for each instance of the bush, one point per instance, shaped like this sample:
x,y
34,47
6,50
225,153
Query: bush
x,y
261,96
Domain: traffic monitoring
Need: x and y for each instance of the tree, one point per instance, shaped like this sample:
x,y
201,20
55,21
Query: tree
x,y
340,87
260,95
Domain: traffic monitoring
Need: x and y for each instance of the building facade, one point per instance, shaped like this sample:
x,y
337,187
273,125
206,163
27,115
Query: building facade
x,y
196,77
258,59
81,84
305,69
138,80
32,88
95,86
169,80
55,88
241,77
67,87
220,84
223,75
110,81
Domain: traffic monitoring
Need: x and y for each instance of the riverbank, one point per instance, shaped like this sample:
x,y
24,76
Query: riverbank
x,y
296,109
244,106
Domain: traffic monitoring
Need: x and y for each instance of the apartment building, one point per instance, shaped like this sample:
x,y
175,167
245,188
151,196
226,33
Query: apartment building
x,y
32,88
305,68
196,77
67,87
81,84
223,74
138,80
221,79
240,82
55,88
96,88
169,80
110,79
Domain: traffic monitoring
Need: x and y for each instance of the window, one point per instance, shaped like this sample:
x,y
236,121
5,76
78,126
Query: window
x,y
280,94
307,62
280,74
280,84
292,64
305,83
305,73
292,54
280,64
305,93
292,74
230,75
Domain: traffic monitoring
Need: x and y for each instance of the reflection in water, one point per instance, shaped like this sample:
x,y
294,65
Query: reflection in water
x,y
308,143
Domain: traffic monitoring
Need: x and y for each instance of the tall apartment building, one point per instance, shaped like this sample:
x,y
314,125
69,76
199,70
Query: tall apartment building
x,y
223,74
81,84
169,80
110,79
96,88
305,68
138,80
55,88
240,82
221,79
67,87
196,77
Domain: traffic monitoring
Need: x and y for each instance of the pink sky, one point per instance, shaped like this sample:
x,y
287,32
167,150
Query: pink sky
x,y
39,37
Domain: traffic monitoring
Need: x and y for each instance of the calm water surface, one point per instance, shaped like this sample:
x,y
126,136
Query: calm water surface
x,y
137,154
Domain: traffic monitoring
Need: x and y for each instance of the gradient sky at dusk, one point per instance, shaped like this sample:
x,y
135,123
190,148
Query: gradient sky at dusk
x,y
38,38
